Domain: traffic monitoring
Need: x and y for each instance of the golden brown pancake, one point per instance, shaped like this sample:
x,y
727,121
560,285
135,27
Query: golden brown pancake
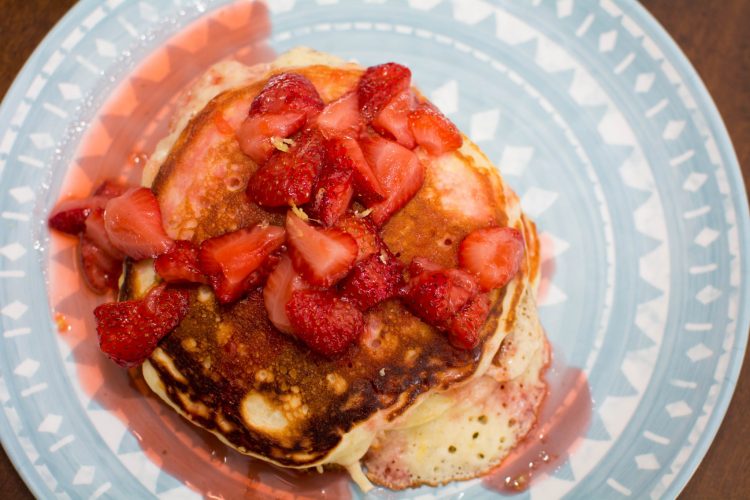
x,y
227,369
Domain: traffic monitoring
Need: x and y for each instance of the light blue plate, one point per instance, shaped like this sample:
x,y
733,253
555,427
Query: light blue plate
x,y
593,115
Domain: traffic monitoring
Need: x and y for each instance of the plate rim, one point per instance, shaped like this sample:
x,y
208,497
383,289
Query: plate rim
x,y
740,198
706,106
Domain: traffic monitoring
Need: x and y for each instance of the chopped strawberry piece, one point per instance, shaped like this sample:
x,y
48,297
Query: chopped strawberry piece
x,y
96,233
493,254
365,234
133,224
393,119
399,171
366,183
327,324
130,331
433,131
70,216
288,177
437,295
322,256
378,85
111,189
257,133
281,283
421,265
333,190
375,279
231,260
101,271
287,92
464,329
341,117
180,264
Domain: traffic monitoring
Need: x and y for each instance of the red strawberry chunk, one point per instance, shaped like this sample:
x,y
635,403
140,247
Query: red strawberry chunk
x,y
399,171
341,117
322,256
365,234
493,254
464,329
436,296
232,261
70,216
130,331
393,119
366,183
281,283
375,279
288,177
433,131
323,321
180,264
287,92
133,224
96,233
378,85
333,190
101,271
257,133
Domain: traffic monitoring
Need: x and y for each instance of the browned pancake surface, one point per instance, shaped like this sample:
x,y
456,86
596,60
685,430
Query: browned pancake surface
x,y
225,352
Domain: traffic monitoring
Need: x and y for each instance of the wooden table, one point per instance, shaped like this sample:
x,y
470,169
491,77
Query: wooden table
x,y
713,36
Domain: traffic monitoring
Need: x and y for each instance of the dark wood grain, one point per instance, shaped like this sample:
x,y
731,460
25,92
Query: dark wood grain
x,y
712,35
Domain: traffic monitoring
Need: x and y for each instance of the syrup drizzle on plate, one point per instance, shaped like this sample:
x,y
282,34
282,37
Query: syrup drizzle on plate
x,y
561,424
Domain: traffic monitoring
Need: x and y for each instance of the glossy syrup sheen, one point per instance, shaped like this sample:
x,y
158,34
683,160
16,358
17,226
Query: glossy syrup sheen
x,y
128,126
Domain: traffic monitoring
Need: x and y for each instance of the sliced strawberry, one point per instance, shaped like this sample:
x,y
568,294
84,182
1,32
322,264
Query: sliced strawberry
x,y
130,331
333,192
281,283
375,279
421,265
433,131
393,119
436,296
180,264
257,133
399,171
366,183
101,271
133,224
322,256
365,234
287,92
493,254
288,177
231,260
70,216
327,324
96,233
465,326
341,117
378,85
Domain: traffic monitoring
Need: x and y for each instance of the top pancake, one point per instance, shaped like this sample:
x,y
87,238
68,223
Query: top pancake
x,y
229,370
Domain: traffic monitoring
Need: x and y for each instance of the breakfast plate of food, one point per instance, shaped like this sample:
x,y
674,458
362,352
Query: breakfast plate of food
x,y
418,248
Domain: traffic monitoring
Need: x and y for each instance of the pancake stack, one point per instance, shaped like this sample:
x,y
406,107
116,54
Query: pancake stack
x,y
402,407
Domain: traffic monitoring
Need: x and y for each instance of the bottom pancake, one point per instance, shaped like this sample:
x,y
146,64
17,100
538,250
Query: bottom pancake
x,y
478,424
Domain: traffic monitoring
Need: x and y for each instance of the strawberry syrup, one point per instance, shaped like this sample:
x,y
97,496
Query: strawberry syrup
x,y
562,423
114,147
